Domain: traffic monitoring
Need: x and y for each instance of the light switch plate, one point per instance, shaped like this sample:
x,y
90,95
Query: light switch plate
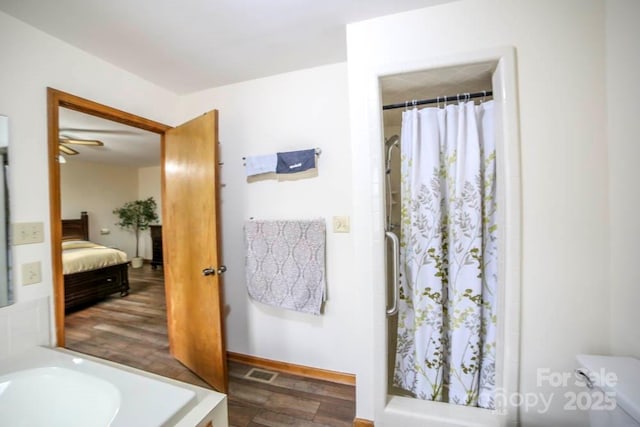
x,y
341,224
28,232
31,273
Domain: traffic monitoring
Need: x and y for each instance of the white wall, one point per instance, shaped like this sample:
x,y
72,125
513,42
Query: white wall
x,y
561,64
149,185
31,61
303,109
99,189
560,61
623,92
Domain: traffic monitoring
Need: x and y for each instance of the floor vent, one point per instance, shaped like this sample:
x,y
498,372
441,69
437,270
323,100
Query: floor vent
x,y
261,375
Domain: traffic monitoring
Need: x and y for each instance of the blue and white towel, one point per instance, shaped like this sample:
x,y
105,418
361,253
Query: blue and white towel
x,y
285,263
296,161
257,165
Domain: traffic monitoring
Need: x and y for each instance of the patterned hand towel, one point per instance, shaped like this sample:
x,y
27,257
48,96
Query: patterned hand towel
x,y
285,263
296,161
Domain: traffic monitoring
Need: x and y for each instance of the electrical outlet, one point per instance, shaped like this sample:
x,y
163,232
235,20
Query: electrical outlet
x,y
31,273
341,224
28,232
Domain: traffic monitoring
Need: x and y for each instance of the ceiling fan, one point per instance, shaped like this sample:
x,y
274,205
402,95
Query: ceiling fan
x,y
64,141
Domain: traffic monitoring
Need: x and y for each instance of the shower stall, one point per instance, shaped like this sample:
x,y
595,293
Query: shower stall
x,y
437,90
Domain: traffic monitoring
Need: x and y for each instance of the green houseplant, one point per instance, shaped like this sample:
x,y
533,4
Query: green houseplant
x,y
137,216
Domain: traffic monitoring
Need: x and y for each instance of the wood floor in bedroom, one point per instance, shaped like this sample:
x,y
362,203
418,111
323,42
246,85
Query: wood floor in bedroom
x,y
133,331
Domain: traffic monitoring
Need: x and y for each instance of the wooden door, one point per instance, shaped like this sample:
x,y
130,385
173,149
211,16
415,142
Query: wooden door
x,y
191,249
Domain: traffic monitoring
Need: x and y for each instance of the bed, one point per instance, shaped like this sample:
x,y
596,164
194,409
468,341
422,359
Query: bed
x,y
91,272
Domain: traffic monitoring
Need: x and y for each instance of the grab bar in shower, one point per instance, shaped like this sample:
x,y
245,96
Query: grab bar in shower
x,y
396,267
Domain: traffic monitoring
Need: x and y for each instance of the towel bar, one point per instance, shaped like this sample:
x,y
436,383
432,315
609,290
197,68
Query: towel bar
x,y
318,152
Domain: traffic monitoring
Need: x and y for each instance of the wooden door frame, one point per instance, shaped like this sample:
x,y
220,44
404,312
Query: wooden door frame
x,y
55,100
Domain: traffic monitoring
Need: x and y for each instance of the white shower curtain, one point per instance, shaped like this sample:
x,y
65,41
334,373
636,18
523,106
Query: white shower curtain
x,y
447,308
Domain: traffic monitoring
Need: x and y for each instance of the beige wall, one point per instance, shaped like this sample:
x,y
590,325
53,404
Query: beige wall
x,y
116,185
99,189
623,93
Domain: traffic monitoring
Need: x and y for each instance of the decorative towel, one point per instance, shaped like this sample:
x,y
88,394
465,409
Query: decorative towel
x,y
296,161
285,263
257,165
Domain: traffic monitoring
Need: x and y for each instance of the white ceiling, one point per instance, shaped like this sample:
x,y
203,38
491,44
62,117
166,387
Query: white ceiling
x,y
123,145
190,45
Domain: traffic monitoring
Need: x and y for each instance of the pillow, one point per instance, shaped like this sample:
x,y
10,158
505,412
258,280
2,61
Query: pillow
x,y
78,244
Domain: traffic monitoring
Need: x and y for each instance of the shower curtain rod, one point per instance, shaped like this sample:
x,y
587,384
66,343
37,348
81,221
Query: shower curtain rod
x,y
445,99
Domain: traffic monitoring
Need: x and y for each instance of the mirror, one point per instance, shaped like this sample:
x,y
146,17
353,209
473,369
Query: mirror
x,y
6,291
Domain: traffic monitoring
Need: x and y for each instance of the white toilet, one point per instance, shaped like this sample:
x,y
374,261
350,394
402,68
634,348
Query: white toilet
x,y
613,393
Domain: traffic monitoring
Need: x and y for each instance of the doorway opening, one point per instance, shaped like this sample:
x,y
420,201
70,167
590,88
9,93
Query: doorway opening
x,y
56,101
103,166
175,144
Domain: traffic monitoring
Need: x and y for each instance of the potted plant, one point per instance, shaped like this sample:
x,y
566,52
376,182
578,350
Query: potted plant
x,y
137,216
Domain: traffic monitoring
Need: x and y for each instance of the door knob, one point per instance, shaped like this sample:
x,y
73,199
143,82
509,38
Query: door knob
x,y
222,269
209,271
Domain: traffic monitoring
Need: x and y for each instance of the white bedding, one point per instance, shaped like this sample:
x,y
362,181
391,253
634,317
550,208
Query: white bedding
x,y
81,255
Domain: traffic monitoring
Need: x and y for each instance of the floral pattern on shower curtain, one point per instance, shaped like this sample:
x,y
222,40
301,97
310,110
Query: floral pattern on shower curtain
x,y
447,308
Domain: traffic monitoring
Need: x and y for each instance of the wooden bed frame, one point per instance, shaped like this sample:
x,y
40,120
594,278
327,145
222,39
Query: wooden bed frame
x,y
88,287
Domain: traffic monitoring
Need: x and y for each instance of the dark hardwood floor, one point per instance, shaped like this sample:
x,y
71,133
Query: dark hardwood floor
x,y
133,331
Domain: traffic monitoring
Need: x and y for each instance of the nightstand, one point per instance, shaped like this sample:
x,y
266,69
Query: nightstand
x,y
156,245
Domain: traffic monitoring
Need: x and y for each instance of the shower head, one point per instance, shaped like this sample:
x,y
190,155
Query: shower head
x,y
392,140
389,144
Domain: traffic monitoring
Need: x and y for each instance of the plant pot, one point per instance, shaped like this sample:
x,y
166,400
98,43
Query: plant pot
x,y
136,262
